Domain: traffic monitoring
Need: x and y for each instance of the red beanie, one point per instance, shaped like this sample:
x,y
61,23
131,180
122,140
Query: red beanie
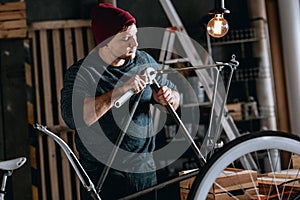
x,y
108,20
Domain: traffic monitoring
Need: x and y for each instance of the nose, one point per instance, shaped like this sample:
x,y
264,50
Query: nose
x,y
133,42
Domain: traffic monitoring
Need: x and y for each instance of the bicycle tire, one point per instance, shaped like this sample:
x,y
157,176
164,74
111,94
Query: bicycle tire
x,y
237,148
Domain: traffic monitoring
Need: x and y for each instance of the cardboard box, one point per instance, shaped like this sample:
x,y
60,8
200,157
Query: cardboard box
x,y
235,110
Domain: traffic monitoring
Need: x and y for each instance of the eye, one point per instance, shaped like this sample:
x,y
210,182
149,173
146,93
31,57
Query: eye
x,y
126,38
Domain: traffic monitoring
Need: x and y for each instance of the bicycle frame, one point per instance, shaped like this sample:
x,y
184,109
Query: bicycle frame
x,y
82,175
211,138
85,180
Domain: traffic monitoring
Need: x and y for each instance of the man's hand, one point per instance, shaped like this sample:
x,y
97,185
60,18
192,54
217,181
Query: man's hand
x,y
136,83
166,96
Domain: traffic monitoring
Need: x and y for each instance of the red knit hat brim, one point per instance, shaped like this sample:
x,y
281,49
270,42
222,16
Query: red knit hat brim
x,y
108,20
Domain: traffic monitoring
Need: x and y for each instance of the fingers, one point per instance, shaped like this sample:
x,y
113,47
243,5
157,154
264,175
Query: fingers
x,y
139,83
165,95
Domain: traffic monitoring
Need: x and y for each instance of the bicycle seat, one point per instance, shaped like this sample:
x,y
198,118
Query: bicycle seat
x,y
12,164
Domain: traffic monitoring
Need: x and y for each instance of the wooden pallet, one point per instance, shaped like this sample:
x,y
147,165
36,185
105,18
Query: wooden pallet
x,y
13,20
55,45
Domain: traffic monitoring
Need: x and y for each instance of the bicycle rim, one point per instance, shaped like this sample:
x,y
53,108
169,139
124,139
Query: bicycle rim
x,y
266,181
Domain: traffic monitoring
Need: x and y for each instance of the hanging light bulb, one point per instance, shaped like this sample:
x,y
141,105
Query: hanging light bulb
x,y
218,26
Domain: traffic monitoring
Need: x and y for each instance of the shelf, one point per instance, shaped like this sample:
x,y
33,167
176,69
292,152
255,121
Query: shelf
x,y
251,119
243,74
238,36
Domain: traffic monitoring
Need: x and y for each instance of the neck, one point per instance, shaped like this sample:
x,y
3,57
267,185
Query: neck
x,y
109,58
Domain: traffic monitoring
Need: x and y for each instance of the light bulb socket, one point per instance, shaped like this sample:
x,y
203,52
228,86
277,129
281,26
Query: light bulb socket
x,y
219,8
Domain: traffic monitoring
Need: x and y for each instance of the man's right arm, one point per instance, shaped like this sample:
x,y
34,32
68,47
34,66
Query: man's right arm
x,y
95,107
90,109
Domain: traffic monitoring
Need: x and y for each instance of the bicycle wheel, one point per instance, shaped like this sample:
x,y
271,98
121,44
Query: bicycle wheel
x,y
228,174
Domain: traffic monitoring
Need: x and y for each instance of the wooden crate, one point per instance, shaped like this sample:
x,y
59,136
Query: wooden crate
x,y
231,179
296,161
266,183
225,196
234,179
187,184
287,174
13,20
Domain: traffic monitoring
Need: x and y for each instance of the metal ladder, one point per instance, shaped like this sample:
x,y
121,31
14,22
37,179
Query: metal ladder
x,y
192,56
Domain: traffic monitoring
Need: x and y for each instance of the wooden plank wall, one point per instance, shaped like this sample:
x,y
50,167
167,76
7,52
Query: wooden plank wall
x,y
13,20
55,45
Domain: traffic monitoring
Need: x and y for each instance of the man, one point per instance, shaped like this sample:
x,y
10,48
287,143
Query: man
x,y
92,86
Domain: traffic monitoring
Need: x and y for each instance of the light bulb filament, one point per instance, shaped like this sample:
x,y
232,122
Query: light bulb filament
x,y
217,26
